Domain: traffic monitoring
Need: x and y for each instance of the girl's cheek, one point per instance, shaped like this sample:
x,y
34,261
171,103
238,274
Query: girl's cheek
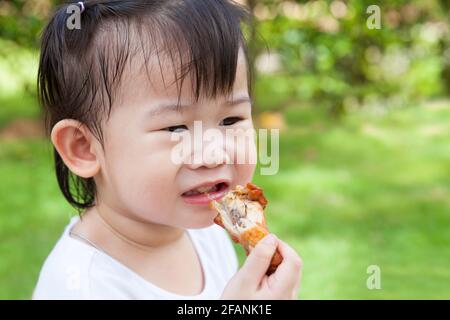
x,y
245,173
241,145
149,194
143,176
245,159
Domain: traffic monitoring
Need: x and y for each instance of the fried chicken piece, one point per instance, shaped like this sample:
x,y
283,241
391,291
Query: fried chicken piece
x,y
241,213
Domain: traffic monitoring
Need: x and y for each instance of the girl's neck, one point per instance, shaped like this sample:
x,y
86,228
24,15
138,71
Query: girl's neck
x,y
135,234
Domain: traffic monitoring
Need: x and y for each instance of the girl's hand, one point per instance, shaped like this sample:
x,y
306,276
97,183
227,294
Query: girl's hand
x,y
251,281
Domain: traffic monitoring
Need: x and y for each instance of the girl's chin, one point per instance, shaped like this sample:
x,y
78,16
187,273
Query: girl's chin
x,y
205,220
201,226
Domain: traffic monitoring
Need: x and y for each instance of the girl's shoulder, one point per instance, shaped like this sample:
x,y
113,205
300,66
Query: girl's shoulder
x,y
75,269
65,272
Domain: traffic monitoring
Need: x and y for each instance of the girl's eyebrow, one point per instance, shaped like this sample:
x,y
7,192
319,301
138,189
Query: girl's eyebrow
x,y
167,106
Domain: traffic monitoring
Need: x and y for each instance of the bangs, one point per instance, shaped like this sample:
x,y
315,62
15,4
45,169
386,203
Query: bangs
x,y
203,39
200,39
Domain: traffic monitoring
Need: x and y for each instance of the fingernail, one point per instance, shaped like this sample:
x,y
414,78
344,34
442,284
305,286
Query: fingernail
x,y
270,239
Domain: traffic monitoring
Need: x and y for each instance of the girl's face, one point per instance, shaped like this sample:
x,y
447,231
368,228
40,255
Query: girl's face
x,y
139,176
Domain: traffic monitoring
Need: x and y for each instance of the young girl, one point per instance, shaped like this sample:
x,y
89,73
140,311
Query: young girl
x,y
114,90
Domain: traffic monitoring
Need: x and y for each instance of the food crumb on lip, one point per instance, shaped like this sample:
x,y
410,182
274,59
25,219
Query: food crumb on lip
x,y
218,187
209,196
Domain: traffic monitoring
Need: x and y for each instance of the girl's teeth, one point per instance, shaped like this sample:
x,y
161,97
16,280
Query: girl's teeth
x,y
205,189
201,190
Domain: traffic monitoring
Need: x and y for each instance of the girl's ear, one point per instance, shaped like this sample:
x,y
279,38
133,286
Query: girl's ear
x,y
76,146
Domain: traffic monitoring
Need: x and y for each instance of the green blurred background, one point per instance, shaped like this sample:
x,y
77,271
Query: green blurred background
x,y
364,174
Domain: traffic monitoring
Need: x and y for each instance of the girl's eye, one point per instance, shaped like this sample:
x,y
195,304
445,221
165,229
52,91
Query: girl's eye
x,y
176,128
230,121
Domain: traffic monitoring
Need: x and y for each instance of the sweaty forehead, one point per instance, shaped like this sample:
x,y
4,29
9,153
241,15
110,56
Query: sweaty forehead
x,y
161,77
154,57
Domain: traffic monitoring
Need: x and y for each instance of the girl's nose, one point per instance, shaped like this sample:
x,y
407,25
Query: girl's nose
x,y
210,154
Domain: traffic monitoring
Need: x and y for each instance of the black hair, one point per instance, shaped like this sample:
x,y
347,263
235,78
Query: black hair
x,y
80,70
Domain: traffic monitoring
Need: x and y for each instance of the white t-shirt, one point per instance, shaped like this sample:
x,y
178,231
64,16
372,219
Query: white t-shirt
x,y
77,270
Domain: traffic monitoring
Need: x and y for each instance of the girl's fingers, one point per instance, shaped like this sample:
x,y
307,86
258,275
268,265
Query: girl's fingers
x,y
287,275
295,291
258,261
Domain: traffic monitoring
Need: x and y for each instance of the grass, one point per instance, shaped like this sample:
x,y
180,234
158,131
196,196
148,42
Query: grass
x,y
18,73
369,190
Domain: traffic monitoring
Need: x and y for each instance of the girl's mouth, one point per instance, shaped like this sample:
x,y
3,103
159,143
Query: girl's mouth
x,y
205,194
